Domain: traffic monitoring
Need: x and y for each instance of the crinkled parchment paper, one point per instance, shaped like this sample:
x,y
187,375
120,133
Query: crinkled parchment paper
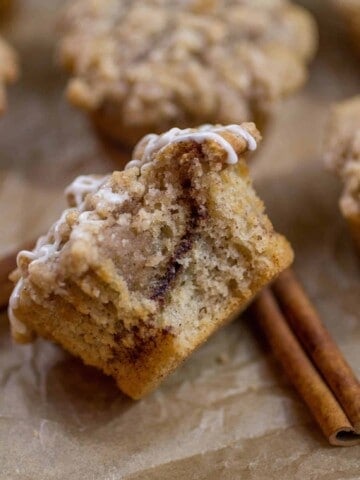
x,y
228,413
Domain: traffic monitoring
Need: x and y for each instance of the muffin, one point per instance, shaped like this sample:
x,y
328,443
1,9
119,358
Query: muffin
x,y
138,68
148,262
342,155
8,70
350,13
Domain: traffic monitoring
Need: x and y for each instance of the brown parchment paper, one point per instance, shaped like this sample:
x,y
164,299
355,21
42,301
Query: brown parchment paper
x,y
228,413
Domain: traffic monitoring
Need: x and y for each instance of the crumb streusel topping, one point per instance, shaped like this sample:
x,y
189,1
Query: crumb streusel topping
x,y
342,155
160,63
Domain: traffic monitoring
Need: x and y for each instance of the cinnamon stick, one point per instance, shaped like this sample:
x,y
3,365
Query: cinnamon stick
x,y
315,338
308,381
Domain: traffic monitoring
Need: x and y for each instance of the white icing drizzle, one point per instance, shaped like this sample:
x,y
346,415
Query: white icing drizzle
x,y
107,196
240,131
17,327
83,185
204,133
78,189
132,164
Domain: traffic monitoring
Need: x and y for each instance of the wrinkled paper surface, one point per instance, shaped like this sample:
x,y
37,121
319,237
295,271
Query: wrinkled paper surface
x,y
228,413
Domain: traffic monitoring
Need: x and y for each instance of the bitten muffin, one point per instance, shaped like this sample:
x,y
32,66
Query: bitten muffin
x,y
140,68
149,262
350,12
342,155
8,70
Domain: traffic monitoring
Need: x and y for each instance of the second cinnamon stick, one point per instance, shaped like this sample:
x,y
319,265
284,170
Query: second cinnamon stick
x,y
315,338
301,372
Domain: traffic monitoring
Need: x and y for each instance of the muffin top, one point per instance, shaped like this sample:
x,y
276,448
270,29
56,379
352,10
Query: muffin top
x,y
164,62
342,153
342,145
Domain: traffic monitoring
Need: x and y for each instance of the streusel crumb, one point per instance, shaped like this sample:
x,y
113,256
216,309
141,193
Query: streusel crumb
x,y
342,155
139,67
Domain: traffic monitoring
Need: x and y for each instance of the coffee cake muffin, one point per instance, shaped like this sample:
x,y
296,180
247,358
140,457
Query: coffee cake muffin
x,y
342,155
148,262
350,12
8,70
138,68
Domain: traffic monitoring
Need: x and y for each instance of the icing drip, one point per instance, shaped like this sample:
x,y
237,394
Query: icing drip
x,y
240,131
49,244
204,133
83,185
105,196
17,327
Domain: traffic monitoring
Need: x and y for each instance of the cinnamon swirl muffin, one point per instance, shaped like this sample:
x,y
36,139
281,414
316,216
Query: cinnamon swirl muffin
x,y
138,67
342,155
8,70
148,262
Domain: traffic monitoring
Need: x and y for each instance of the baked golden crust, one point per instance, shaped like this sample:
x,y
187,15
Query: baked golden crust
x,y
342,155
139,69
150,261
8,70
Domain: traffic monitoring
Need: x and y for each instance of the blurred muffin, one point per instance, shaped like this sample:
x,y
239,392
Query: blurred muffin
x,y
150,261
8,70
137,67
342,155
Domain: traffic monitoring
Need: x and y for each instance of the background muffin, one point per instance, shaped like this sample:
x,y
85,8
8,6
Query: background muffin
x,y
342,155
8,70
137,68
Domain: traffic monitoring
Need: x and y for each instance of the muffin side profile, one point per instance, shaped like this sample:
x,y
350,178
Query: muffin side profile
x,y
149,262
342,155
138,69
8,70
